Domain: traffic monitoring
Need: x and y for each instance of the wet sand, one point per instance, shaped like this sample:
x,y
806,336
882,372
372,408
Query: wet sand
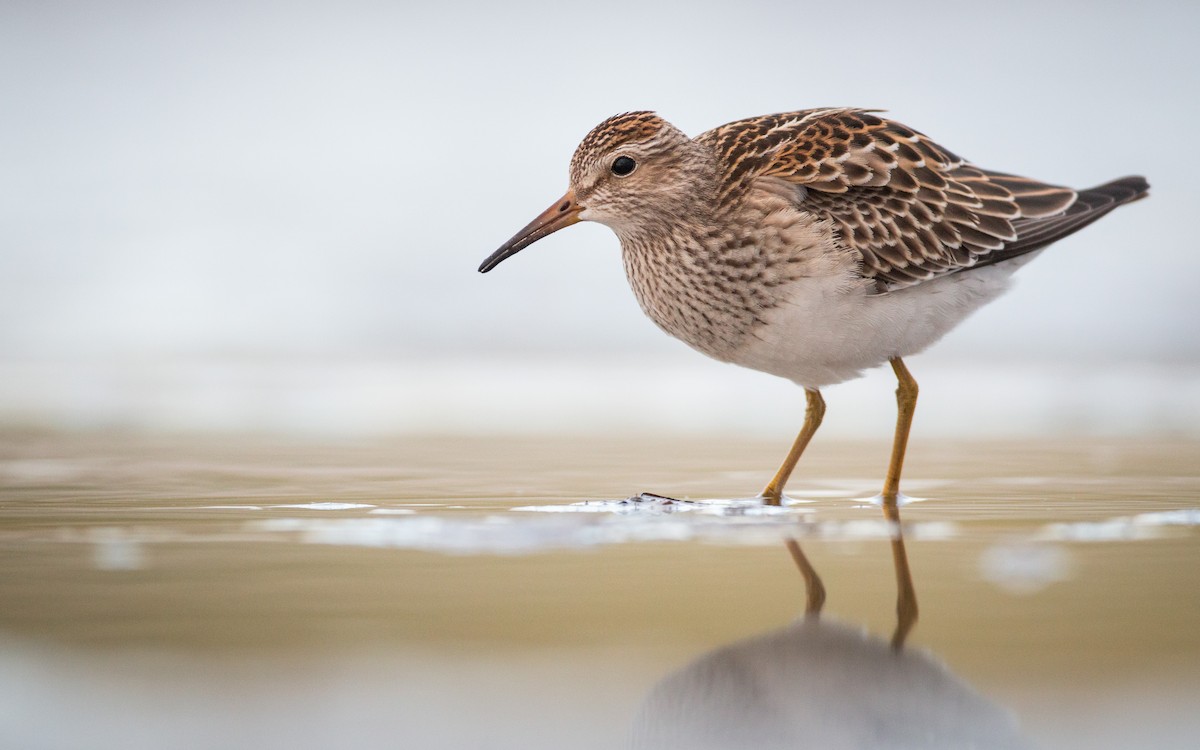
x,y
259,591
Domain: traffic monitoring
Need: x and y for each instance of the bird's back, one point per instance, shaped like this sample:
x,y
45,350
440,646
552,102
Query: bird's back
x,y
910,209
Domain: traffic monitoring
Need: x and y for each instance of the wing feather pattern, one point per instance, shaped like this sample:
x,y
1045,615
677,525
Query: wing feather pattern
x,y
913,210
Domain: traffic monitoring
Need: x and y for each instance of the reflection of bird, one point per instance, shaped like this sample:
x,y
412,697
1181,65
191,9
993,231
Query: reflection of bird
x,y
811,245
821,685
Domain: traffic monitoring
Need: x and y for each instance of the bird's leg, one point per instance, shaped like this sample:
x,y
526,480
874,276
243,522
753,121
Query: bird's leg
x,y
773,494
906,404
906,594
814,590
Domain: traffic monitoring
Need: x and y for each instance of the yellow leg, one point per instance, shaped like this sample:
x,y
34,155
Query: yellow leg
x,y
906,594
773,494
814,590
906,404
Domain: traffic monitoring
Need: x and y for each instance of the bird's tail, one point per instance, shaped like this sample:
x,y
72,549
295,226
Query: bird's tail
x,y
1036,232
1108,196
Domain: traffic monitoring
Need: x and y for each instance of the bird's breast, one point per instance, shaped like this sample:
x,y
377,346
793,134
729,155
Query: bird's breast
x,y
716,288
708,306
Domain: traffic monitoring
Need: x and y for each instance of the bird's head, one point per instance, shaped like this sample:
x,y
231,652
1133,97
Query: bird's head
x,y
632,172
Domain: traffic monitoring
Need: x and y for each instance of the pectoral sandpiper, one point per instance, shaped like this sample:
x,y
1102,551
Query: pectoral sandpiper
x,y
811,245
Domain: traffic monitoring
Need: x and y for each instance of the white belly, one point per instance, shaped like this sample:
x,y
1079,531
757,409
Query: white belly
x,y
827,333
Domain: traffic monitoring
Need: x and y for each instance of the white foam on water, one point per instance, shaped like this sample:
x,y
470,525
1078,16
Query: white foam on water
x,y
325,506
654,505
586,525
1023,567
115,549
1121,528
1181,517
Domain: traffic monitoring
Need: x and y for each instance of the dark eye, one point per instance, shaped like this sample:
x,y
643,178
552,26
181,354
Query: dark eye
x,y
623,165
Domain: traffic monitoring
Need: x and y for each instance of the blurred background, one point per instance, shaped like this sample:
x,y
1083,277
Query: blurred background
x,y
250,380
267,216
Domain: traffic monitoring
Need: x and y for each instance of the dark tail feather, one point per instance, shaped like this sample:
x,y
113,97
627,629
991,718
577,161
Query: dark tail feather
x,y
1090,205
1116,193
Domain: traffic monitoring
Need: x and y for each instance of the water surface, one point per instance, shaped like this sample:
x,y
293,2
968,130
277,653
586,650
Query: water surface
x,y
461,592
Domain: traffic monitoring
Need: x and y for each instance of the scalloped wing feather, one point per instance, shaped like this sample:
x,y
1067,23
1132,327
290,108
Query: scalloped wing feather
x,y
911,209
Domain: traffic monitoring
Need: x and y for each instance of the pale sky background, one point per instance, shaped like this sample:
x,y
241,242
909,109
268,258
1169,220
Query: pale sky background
x,y
189,187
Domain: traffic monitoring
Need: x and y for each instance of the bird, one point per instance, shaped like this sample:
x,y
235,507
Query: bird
x,y
811,245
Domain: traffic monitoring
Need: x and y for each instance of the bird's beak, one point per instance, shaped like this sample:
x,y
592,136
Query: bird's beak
x,y
563,213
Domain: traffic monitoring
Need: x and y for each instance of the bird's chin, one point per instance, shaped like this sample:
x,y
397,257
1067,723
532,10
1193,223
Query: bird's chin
x,y
619,224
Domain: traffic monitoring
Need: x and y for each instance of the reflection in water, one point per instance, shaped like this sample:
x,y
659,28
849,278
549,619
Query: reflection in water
x,y
823,684
906,595
192,593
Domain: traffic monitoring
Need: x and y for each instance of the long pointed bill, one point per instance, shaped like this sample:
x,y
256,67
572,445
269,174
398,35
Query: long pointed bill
x,y
563,213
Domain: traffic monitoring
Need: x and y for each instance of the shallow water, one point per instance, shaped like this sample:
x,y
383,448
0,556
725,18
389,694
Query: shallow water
x,y
262,592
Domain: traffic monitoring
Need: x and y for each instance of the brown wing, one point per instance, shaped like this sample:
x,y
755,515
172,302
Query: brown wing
x,y
913,210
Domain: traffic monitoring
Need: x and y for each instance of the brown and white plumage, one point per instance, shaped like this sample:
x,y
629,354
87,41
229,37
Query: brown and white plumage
x,y
812,244
912,209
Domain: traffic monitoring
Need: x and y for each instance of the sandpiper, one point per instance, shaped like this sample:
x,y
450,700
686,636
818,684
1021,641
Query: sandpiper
x,y
811,245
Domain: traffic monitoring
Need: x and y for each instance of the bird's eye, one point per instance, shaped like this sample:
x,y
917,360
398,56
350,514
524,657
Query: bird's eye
x,y
623,165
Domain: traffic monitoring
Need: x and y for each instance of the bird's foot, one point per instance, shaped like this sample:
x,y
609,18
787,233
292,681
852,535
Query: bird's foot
x,y
898,499
777,499
651,497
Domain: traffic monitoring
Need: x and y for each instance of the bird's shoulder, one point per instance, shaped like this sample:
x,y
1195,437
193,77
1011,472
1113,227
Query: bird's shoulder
x,y
830,149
